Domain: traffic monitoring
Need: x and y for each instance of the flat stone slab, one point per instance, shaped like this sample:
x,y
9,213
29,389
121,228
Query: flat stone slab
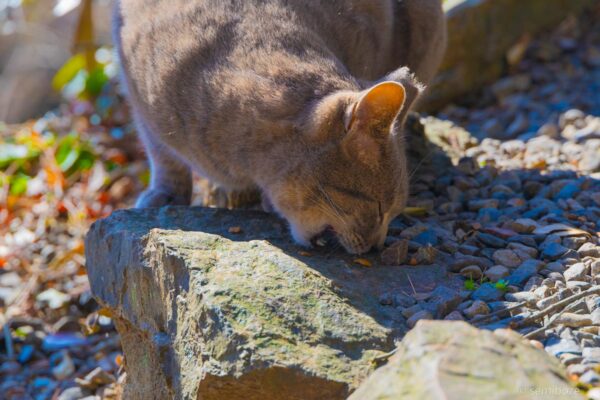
x,y
455,361
218,304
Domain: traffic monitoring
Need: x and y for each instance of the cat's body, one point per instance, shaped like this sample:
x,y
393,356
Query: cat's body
x,y
264,94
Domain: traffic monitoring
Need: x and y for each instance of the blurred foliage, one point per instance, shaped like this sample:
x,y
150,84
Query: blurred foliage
x,y
85,74
84,82
26,154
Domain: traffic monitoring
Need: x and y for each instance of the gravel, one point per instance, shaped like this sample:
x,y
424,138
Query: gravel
x,y
516,210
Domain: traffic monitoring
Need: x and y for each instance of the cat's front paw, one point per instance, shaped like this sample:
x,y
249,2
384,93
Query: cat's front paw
x,y
153,198
266,204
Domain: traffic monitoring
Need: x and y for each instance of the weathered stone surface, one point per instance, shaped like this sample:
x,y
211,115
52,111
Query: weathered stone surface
x,y
205,313
481,33
452,360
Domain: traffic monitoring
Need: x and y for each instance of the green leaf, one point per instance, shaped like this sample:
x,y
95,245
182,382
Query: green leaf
x,y
74,155
67,152
470,284
501,284
95,82
21,332
68,71
85,161
18,184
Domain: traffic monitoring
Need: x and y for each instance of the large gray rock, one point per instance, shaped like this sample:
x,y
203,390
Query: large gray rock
x,y
205,313
453,360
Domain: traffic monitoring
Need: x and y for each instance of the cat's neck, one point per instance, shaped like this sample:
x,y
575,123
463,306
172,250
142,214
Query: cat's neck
x,y
284,112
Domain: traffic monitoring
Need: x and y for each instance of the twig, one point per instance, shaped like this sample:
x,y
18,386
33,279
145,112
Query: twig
x,y
384,357
553,308
411,284
10,352
551,321
499,312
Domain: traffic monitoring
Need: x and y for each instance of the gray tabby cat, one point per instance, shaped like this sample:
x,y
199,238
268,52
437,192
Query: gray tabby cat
x,y
292,97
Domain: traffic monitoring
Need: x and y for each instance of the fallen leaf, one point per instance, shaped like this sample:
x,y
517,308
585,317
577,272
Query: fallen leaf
x,y
364,262
415,211
105,312
235,230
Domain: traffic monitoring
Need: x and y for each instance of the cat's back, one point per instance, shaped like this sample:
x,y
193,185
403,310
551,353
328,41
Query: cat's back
x,y
159,38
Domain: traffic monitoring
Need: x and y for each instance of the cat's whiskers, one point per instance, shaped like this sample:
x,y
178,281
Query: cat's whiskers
x,y
416,168
331,213
334,207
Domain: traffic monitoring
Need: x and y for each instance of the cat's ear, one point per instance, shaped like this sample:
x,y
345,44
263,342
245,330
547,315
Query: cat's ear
x,y
376,109
369,121
412,87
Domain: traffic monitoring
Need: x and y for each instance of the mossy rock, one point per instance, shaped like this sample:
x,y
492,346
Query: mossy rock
x,y
207,313
455,361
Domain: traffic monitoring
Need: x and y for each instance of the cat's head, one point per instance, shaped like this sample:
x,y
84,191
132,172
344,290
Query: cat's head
x,y
353,177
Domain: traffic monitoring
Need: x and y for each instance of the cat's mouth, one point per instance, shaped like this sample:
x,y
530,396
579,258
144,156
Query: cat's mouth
x,y
326,237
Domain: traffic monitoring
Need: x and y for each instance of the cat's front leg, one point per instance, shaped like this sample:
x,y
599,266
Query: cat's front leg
x,y
170,180
170,185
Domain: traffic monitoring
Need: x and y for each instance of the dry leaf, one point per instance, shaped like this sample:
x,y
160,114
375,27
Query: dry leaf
x,y
415,211
364,262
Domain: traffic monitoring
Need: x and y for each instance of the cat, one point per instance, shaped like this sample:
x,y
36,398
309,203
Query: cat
x,y
304,100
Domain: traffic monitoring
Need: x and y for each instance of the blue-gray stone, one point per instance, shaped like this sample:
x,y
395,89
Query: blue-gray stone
x,y
26,353
557,346
444,300
475,205
523,239
535,213
500,305
428,237
569,191
491,240
487,292
486,215
553,251
524,272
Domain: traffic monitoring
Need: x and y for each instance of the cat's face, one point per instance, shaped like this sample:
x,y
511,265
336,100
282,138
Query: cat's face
x,y
354,181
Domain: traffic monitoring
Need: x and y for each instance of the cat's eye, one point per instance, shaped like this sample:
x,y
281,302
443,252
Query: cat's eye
x,y
380,211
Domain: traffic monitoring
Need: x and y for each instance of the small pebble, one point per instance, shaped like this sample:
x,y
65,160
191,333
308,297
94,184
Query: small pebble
x,y
454,316
589,250
412,321
471,272
412,310
496,273
508,258
396,254
574,320
575,272
477,308
590,378
593,394
537,344
487,292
